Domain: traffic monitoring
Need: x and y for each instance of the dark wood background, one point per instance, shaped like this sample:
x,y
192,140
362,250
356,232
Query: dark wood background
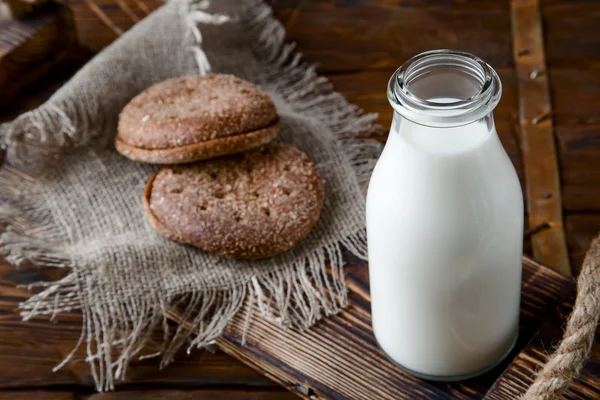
x,y
357,44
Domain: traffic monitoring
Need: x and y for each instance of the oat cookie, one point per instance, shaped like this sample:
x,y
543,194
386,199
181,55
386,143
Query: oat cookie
x,y
250,205
193,118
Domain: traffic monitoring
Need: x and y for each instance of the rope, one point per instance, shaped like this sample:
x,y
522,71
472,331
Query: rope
x,y
567,361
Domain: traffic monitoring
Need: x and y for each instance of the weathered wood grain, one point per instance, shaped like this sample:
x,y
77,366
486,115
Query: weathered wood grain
x,y
223,394
568,33
542,183
34,95
339,358
580,229
345,36
19,8
30,350
515,380
38,395
30,46
140,394
579,151
99,22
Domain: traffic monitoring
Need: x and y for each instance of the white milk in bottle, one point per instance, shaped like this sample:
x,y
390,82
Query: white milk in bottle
x,y
445,222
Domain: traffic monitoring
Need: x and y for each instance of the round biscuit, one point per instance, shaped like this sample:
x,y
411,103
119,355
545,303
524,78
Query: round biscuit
x,y
194,118
251,205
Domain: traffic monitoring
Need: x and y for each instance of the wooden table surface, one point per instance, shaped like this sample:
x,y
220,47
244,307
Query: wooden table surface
x,y
357,44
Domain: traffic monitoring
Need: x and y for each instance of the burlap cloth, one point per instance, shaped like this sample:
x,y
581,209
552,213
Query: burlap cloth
x,y
86,213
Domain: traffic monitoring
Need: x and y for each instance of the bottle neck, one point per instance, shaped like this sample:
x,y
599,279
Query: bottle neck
x,y
443,140
444,88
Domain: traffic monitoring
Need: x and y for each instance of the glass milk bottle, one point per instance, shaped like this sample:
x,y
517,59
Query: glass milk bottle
x,y
445,222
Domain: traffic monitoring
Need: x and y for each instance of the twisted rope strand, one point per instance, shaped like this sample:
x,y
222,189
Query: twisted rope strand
x,y
567,361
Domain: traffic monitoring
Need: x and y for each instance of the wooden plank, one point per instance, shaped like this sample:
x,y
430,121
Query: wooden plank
x,y
520,374
544,202
575,95
30,46
141,394
580,230
572,46
99,22
345,36
30,350
339,358
571,33
20,8
35,95
579,154
38,395
223,394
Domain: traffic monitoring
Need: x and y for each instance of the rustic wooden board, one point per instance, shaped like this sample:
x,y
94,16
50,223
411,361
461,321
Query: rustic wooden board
x,y
519,375
31,45
339,358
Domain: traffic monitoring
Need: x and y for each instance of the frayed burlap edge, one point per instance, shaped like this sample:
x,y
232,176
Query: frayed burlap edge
x,y
297,296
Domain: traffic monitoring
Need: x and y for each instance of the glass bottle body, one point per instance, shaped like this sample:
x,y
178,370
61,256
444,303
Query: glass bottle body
x,y
445,226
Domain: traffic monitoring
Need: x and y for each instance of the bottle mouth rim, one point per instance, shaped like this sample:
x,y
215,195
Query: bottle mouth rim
x,y
443,113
